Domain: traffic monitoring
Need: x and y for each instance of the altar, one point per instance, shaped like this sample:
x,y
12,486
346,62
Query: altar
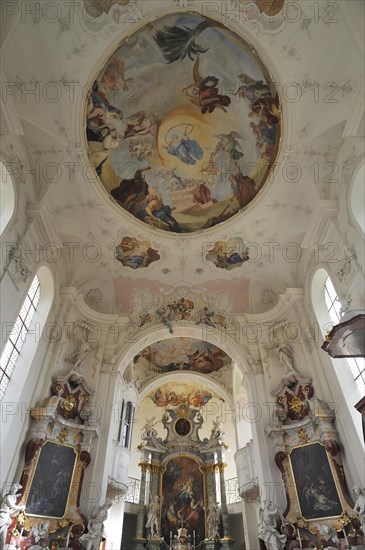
x,y
185,509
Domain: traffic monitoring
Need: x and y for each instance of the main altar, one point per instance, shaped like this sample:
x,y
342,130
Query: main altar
x,y
182,501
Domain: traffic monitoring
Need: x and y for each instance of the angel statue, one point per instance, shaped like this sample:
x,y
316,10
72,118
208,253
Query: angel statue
x,y
8,509
148,428
40,531
359,507
268,532
95,526
328,533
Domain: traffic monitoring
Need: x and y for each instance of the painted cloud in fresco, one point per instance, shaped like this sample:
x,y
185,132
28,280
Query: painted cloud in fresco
x,y
182,354
183,124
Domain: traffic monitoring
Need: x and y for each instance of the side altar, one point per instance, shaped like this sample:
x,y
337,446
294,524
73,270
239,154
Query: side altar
x,y
182,501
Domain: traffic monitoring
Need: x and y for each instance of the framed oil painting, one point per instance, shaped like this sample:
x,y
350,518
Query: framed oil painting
x,y
182,497
51,484
315,482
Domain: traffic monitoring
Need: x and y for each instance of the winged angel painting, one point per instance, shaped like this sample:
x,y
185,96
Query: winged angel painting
x,y
183,124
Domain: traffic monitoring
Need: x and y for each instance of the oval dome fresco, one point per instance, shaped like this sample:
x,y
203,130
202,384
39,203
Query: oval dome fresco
x,y
183,124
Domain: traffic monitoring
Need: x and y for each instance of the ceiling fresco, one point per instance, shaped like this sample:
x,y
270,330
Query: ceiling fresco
x,y
182,354
228,254
136,254
183,124
188,393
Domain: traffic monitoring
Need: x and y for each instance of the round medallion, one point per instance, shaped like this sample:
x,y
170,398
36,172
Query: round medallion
x,y
183,123
182,426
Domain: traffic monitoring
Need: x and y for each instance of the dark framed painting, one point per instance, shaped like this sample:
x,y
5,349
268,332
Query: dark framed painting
x,y
52,481
182,498
315,483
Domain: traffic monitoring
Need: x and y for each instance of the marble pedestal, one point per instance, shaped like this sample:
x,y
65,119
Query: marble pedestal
x,y
153,544
227,543
138,544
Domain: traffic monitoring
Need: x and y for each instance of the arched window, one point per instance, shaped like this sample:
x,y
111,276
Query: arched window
x,y
120,428
7,203
357,365
127,425
18,372
18,334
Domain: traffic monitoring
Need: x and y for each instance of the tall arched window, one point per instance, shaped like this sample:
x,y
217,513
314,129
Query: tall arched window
x,y
127,425
357,365
7,203
18,334
16,361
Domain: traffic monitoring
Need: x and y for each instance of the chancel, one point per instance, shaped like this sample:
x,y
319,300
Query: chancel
x,y
182,228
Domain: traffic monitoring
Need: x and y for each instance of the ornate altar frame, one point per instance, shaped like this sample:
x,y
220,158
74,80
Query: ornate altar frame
x,y
302,421
64,420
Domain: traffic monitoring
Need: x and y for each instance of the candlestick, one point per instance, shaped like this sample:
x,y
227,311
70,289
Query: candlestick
x,y
299,538
346,539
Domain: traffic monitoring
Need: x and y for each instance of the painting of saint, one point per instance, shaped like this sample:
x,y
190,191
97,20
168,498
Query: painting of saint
x,y
51,482
315,485
183,498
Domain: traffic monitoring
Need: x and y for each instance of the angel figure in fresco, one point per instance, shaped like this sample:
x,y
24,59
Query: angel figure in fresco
x,y
113,76
252,89
204,92
180,145
228,143
141,124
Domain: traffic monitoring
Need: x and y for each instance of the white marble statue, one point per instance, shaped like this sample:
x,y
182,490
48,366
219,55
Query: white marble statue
x,y
148,428
328,533
153,517
40,531
285,356
359,507
78,356
212,520
217,430
95,526
268,532
8,509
